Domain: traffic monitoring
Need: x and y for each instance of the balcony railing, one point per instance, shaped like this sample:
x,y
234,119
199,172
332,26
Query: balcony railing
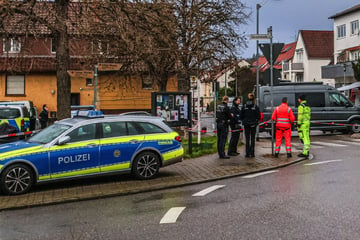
x,y
294,67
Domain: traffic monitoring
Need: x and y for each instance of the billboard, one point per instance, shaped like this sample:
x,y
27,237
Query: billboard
x,y
174,107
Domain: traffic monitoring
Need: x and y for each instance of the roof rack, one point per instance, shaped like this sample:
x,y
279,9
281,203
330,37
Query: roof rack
x,y
299,83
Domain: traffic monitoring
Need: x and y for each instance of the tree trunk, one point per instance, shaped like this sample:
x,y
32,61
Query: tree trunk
x,y
62,61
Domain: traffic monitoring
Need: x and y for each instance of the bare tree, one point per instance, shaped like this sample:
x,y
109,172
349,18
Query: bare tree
x,y
208,33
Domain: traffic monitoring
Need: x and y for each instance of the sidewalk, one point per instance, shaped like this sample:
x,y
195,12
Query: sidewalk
x,y
189,171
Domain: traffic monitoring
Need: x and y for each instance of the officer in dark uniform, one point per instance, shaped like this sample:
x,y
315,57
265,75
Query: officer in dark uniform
x,y
235,125
223,116
250,116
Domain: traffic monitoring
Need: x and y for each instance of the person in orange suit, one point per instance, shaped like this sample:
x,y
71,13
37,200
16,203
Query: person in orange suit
x,y
283,117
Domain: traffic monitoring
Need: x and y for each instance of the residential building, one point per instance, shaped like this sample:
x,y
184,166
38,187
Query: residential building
x,y
313,49
28,72
224,77
346,46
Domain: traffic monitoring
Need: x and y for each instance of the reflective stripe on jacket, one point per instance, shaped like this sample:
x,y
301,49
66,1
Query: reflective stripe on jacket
x,y
283,116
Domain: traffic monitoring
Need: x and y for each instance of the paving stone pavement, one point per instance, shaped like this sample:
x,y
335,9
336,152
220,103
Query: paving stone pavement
x,y
189,171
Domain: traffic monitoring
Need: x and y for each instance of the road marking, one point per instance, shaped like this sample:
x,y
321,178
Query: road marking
x,y
323,162
259,174
172,215
207,190
329,144
348,142
300,145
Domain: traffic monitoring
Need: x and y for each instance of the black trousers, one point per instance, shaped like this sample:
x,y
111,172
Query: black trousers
x,y
234,140
222,132
250,132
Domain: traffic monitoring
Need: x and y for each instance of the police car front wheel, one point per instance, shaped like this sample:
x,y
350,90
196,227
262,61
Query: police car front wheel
x,y
17,179
146,165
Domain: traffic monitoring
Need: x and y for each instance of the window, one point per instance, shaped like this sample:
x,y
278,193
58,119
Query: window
x,y
354,27
83,133
11,45
15,85
100,47
146,82
89,82
53,46
355,55
6,113
315,99
337,100
299,55
136,128
114,129
341,31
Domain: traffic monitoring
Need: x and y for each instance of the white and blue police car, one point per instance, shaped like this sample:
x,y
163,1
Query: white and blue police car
x,y
86,145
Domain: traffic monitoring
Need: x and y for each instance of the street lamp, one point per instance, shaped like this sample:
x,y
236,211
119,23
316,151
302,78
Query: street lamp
x,y
258,6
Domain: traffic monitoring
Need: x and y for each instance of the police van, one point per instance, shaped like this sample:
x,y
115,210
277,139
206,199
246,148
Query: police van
x,y
33,113
330,109
17,116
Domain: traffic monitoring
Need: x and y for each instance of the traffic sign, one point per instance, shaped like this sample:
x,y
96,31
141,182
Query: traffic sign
x,y
276,50
193,81
259,36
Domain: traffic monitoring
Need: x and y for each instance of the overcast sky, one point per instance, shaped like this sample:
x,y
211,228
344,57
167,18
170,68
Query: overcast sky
x,y
287,17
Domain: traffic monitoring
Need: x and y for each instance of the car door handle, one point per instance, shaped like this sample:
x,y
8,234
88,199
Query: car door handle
x,y
92,145
134,141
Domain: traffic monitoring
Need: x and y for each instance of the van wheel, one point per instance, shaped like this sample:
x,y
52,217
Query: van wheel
x,y
17,179
355,126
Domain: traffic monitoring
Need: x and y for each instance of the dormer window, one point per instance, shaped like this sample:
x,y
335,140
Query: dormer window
x,y
11,45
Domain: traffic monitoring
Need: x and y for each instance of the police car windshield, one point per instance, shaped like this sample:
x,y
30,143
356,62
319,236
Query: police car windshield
x,y
49,133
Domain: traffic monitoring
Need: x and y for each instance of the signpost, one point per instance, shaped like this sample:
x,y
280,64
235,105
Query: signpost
x,y
109,67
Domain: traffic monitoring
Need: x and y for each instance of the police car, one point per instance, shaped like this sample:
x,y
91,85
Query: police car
x,y
86,145
17,116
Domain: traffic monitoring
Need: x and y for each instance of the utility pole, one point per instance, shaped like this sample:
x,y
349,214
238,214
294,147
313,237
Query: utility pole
x,y
258,6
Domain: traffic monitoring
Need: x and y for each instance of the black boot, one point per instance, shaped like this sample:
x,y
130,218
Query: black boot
x,y
276,155
289,155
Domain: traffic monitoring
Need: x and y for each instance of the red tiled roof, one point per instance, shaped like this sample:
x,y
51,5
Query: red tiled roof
x,y
347,11
286,54
318,44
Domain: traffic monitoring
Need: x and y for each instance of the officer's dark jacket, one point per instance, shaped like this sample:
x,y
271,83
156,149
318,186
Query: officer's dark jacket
x,y
250,114
236,111
223,114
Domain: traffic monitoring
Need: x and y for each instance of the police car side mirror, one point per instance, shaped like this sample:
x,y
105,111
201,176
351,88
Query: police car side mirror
x,y
63,140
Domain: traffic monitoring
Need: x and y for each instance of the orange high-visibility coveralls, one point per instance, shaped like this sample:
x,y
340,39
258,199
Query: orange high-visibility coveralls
x,y
283,116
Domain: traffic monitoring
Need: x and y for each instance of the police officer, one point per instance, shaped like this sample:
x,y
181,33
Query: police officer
x,y
303,124
223,116
284,117
250,115
235,125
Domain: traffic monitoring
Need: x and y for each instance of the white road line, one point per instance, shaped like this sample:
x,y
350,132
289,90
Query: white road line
x,y
172,215
323,162
300,145
348,142
259,174
207,190
329,144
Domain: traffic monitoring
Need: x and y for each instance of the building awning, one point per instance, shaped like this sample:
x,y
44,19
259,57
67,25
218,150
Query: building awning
x,y
351,86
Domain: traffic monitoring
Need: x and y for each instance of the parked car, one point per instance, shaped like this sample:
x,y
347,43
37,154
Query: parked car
x,y
33,113
89,145
330,109
17,116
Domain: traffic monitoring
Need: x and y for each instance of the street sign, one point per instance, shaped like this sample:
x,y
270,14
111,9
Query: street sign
x,y
276,47
109,66
81,74
259,36
193,81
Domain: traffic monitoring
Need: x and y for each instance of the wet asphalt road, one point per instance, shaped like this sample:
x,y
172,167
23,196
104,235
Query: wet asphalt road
x,y
302,201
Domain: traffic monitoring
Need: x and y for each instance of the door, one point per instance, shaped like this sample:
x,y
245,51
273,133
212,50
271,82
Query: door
x,y
119,143
80,156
